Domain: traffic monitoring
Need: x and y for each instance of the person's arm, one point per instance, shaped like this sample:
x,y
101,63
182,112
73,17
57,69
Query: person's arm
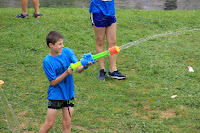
x,y
61,77
82,68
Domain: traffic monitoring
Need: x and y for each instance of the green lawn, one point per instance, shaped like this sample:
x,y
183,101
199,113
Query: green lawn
x,y
156,70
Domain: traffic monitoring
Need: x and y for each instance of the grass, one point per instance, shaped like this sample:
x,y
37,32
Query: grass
x,y
141,103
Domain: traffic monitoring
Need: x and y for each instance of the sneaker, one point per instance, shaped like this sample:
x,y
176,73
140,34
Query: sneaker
x,y
102,75
116,75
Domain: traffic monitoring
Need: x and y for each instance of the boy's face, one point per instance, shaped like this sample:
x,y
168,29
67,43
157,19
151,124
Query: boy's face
x,y
57,47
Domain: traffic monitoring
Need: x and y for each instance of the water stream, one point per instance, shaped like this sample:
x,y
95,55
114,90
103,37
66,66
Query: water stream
x,y
13,123
179,31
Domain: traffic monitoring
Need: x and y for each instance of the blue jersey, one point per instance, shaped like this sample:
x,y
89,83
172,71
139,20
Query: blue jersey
x,y
53,68
107,7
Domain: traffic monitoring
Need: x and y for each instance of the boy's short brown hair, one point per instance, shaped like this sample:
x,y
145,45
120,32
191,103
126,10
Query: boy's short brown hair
x,y
53,37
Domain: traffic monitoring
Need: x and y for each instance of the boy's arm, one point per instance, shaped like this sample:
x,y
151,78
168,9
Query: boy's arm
x,y
68,72
61,77
82,68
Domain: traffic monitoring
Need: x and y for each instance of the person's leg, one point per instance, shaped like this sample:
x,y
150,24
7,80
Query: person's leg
x,y
36,5
24,4
24,14
111,41
51,116
66,118
100,38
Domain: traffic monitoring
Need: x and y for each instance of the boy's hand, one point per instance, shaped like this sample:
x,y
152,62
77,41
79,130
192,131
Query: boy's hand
x,y
70,71
91,63
87,59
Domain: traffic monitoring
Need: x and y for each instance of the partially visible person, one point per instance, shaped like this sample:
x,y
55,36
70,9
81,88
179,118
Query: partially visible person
x,y
103,20
24,5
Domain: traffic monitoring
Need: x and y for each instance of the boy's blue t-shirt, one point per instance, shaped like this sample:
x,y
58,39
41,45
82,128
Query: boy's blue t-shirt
x,y
53,68
107,7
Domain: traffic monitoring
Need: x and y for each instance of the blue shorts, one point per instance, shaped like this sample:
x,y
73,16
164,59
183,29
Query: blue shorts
x,y
101,20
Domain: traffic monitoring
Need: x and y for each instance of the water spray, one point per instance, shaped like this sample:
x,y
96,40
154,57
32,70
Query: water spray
x,y
125,46
13,123
117,49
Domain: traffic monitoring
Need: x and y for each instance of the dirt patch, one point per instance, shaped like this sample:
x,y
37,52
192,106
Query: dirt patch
x,y
167,114
146,107
22,126
134,102
101,119
160,114
81,128
23,113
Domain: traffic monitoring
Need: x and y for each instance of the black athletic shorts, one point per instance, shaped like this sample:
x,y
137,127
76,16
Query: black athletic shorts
x,y
59,104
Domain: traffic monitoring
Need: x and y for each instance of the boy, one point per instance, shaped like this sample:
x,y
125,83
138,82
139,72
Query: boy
x,y
61,91
103,20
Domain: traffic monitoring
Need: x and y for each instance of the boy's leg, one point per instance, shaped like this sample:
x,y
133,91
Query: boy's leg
x,y
24,4
51,116
67,116
111,41
100,38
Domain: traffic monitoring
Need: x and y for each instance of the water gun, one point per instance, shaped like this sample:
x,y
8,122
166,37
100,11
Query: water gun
x,y
110,51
